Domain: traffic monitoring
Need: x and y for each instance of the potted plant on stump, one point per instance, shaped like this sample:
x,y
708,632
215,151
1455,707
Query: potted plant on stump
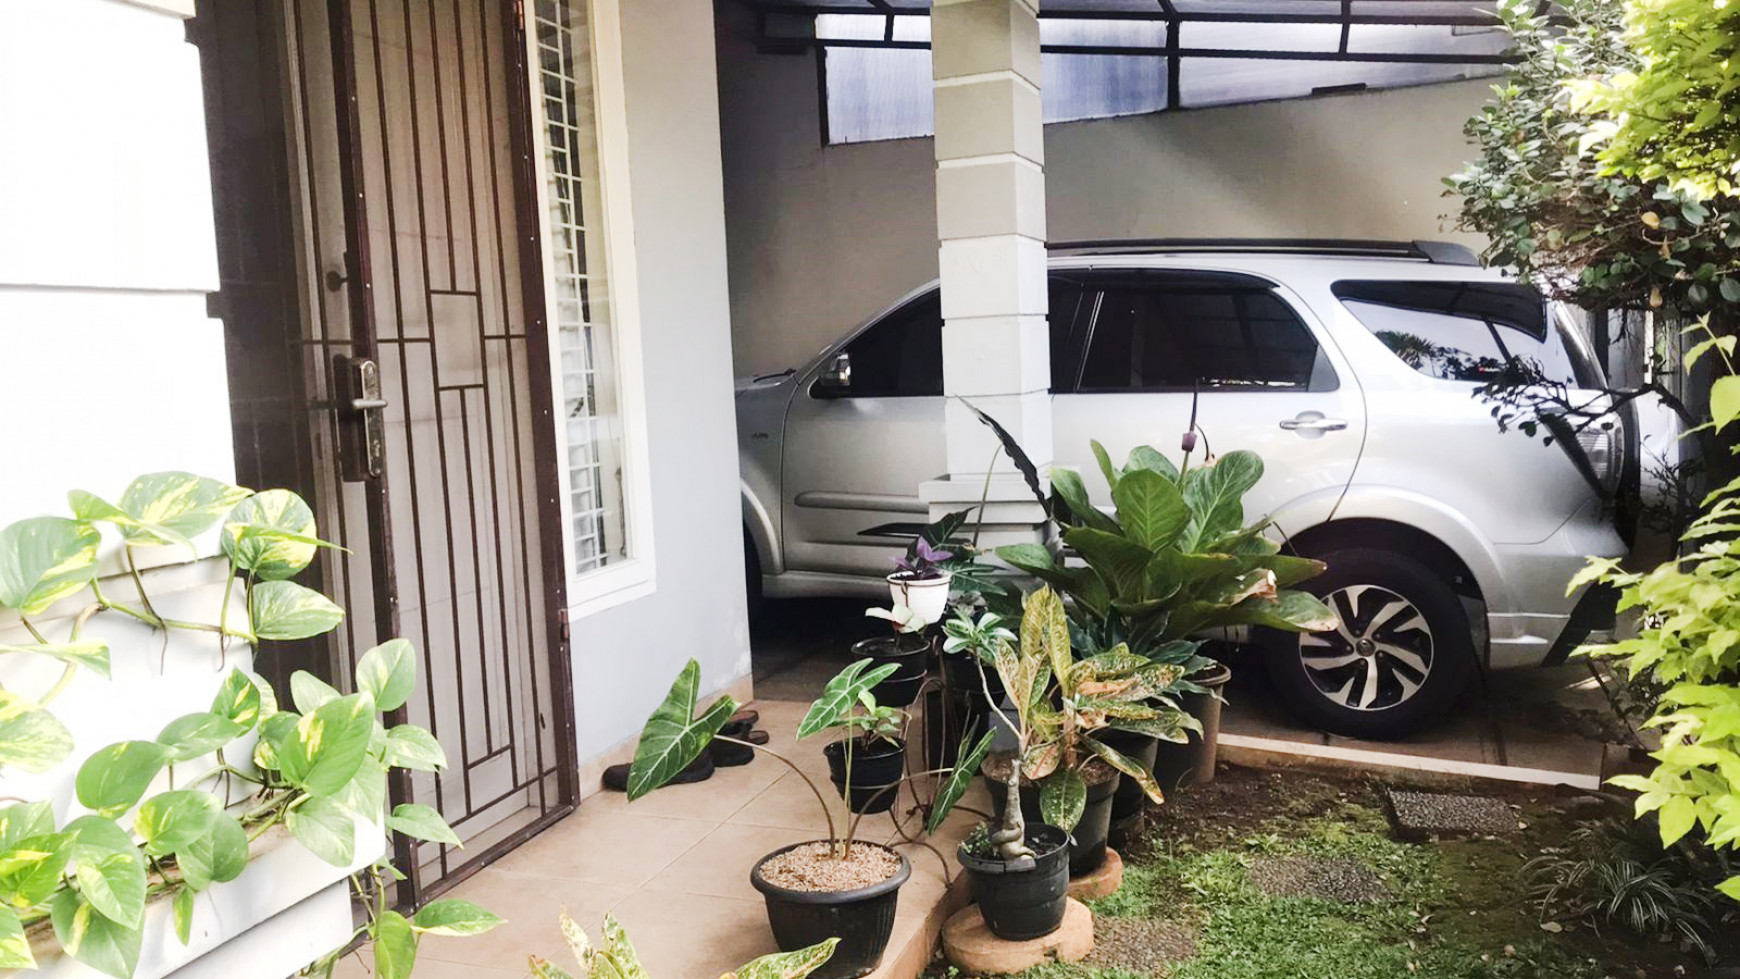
x,y
837,887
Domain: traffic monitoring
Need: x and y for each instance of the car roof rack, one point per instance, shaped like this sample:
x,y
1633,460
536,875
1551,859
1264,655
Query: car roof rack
x,y
1436,252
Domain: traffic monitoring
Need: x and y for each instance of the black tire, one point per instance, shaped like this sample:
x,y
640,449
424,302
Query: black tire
x,y
1366,680
752,599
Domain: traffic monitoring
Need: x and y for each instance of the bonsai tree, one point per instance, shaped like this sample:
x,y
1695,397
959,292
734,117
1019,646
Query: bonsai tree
x,y
618,959
675,735
1059,703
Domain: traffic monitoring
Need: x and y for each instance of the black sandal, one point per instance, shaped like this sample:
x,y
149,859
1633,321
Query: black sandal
x,y
699,770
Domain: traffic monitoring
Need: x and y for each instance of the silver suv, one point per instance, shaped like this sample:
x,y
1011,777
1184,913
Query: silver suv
x,y
1350,367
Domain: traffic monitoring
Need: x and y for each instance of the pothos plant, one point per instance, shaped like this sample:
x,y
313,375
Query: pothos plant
x,y
617,959
169,815
1689,647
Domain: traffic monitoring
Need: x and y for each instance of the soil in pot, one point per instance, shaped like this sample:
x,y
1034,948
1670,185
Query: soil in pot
x,y
1192,763
1022,900
812,897
908,652
877,766
1087,842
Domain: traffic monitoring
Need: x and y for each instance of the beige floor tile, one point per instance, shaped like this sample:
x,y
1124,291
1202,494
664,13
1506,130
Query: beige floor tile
x,y
362,967
688,936
531,905
790,803
719,865
617,848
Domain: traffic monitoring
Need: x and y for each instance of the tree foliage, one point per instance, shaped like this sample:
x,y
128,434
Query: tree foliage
x,y
1674,116
1551,207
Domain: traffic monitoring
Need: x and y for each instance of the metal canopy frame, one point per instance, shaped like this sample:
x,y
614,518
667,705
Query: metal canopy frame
x,y
1350,13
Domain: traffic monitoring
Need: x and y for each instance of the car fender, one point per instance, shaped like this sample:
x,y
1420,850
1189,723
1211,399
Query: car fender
x,y
759,525
1418,511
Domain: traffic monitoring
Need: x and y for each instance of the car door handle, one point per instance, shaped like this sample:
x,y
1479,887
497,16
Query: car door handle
x,y
1313,421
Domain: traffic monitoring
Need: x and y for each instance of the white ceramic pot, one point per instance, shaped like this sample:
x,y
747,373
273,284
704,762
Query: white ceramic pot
x,y
927,597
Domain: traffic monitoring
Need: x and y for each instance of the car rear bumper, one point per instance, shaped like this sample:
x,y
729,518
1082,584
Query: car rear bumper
x,y
1543,624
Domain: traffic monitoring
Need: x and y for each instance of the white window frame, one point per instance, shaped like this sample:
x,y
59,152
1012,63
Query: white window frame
x,y
635,576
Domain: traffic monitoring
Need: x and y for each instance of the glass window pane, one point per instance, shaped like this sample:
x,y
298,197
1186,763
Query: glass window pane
x,y
1180,337
580,301
901,356
1468,331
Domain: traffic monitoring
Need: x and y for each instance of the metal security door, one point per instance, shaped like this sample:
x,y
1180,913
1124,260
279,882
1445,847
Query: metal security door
x,y
426,358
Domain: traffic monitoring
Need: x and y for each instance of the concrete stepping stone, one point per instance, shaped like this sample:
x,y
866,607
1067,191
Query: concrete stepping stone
x,y
1419,816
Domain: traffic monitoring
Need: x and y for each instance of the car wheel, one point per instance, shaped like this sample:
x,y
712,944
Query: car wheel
x,y
1402,654
751,578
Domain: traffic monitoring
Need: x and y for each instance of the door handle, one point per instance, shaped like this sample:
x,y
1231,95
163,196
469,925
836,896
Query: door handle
x,y
362,426
1313,422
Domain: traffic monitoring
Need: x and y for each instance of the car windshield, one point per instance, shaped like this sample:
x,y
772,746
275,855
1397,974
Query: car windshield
x,y
1471,331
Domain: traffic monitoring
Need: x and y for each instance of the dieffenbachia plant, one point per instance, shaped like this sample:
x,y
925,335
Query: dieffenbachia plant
x,y
618,959
675,736
168,815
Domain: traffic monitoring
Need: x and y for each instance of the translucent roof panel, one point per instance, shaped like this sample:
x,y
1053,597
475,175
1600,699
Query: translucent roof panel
x,y
1119,57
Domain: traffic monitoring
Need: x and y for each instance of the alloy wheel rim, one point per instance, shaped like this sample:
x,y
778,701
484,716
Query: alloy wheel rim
x,y
1378,656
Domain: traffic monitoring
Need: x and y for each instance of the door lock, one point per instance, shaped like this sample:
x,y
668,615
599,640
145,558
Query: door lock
x,y
362,426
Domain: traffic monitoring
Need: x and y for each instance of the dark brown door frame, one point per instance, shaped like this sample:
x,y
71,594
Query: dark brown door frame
x,y
259,165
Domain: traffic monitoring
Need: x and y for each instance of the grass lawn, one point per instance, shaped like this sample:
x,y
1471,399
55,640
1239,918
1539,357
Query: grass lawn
x,y
1294,875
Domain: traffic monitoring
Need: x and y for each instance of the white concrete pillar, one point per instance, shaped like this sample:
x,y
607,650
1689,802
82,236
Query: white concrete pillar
x,y
990,203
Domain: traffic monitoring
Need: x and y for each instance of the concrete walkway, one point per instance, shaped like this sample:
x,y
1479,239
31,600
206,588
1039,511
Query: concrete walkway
x,y
674,869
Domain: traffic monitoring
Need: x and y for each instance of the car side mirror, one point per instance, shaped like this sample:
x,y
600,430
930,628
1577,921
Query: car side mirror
x,y
837,379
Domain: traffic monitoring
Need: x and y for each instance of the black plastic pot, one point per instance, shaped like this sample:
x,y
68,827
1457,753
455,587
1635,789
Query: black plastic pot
x,y
877,766
1192,763
1128,801
861,919
1087,842
1023,900
908,651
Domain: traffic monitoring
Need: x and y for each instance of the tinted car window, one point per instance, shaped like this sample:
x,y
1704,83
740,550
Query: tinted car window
x,y
901,356
1469,331
1180,335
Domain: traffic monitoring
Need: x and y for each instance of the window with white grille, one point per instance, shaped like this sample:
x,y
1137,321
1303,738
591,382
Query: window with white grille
x,y
592,424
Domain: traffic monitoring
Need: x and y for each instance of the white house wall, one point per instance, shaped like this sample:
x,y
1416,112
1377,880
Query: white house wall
x,y
822,237
625,657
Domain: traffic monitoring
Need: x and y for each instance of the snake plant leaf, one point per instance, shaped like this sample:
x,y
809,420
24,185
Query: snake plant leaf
x,y
454,917
395,946
1151,508
1062,799
31,738
14,946
286,610
1119,561
842,693
109,869
389,673
92,654
673,736
181,503
45,559
1215,495
949,793
1067,484
1149,458
1122,763
787,965
1111,472
96,941
272,535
